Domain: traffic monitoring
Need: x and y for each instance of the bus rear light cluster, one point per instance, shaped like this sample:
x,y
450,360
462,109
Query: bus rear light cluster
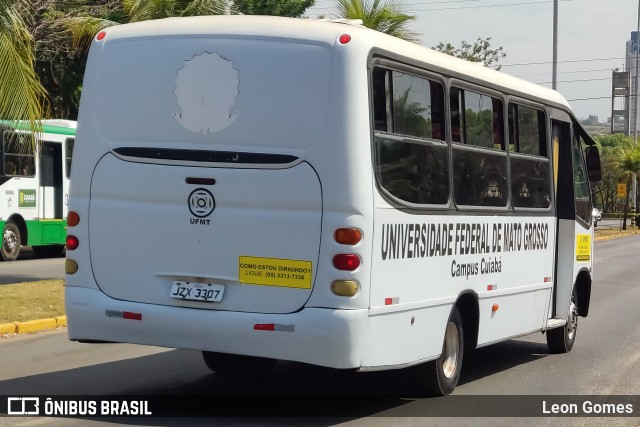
x,y
346,262
72,243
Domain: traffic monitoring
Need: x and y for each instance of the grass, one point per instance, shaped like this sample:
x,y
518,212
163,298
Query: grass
x,y
32,300
614,231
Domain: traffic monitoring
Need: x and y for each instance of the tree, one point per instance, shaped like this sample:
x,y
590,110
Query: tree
x,y
290,8
58,65
389,18
610,147
22,97
479,51
84,27
629,165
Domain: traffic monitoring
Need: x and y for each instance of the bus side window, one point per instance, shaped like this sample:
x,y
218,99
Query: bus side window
x,y
18,155
479,161
454,112
530,173
10,168
415,168
380,99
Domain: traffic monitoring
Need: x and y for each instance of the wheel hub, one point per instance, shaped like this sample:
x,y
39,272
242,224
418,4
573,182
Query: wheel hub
x,y
450,351
9,240
572,323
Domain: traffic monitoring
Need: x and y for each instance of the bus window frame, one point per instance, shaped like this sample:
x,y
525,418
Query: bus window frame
x,y
33,155
546,110
402,67
483,90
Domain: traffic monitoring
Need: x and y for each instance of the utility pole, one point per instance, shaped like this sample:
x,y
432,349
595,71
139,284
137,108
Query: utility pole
x,y
555,45
635,118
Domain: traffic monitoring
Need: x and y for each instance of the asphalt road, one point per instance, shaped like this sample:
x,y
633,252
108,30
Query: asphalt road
x,y
29,267
605,361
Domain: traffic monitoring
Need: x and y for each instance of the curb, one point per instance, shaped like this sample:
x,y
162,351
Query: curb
x,y
615,236
32,326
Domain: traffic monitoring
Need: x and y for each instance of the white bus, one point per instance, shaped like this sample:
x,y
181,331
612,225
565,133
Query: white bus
x,y
263,189
34,186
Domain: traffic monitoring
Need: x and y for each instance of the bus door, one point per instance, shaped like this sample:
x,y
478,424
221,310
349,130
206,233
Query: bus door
x,y
573,208
68,153
51,181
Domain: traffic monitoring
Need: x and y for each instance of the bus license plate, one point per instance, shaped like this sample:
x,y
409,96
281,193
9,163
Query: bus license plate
x,y
194,291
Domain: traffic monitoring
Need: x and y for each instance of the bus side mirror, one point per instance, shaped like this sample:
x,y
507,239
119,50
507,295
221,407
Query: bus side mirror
x,y
593,163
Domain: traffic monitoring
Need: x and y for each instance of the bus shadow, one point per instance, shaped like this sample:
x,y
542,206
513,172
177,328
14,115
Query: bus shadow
x,y
294,391
495,358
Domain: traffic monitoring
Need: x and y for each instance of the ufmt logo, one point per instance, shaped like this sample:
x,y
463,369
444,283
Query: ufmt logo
x,y
23,406
201,205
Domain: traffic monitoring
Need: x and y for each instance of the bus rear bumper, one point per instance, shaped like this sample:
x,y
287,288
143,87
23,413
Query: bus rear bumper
x,y
319,336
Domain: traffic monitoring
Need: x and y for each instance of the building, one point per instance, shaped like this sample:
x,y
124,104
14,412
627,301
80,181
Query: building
x,y
631,66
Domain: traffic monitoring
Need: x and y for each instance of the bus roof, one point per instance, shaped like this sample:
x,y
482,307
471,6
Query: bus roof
x,y
55,126
327,31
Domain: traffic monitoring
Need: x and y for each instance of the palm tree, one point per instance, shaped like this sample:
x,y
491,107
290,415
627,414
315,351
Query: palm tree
x,y
390,18
629,166
22,97
84,28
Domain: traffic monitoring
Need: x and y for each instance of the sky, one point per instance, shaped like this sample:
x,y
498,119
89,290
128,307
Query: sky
x,y
592,36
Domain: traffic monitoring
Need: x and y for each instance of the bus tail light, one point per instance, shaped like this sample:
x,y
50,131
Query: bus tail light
x,y
346,262
344,288
347,236
72,242
73,219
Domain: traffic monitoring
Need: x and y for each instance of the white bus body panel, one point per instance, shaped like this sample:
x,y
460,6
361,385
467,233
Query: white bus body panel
x,y
155,240
324,337
420,268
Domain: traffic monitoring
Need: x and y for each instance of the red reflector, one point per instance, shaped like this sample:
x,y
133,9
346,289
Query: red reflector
x,y
73,219
264,327
388,301
72,242
101,35
345,38
131,316
347,262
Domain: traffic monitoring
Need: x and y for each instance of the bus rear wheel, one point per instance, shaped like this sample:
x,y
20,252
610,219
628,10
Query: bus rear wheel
x,y
48,250
10,242
440,377
561,340
234,365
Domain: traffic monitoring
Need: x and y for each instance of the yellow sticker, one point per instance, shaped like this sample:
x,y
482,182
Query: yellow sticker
x,y
583,247
286,273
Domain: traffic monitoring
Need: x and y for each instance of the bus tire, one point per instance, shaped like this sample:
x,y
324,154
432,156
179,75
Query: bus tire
x,y
440,377
561,340
10,242
234,365
48,250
